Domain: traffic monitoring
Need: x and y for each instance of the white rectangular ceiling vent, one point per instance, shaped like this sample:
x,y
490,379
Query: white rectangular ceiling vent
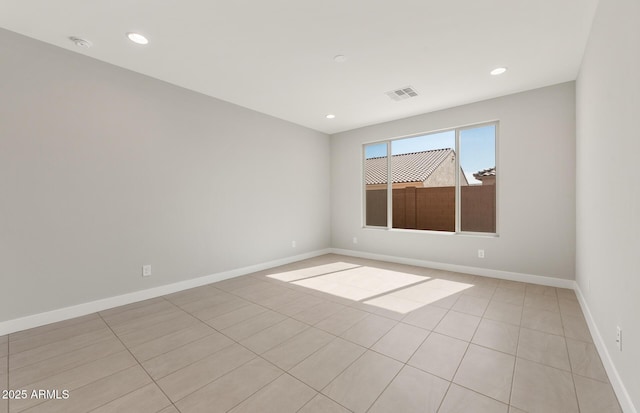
x,y
403,93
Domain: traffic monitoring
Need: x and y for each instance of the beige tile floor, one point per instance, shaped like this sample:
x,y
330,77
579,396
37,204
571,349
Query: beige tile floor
x,y
329,334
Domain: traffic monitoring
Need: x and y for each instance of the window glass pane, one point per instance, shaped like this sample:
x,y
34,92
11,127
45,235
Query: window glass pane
x,y
423,171
375,176
478,189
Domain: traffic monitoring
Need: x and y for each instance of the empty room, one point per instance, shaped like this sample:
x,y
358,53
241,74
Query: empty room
x,y
339,206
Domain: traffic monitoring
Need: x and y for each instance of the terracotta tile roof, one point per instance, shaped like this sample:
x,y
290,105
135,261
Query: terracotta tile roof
x,y
485,172
408,167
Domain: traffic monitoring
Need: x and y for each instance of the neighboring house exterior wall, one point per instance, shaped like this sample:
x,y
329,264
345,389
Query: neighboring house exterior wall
x,y
445,175
487,180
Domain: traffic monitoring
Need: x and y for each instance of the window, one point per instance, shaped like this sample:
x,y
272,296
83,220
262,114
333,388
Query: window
x,y
443,181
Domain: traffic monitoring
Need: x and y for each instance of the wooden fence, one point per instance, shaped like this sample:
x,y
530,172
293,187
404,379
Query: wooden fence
x,y
434,208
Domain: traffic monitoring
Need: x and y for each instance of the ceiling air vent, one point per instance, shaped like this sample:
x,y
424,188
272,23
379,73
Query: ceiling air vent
x,y
403,93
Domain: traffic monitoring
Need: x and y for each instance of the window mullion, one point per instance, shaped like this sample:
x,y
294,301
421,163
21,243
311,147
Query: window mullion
x,y
458,192
389,188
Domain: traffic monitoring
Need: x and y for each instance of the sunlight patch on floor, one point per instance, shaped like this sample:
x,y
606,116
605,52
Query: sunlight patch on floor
x,y
395,304
414,297
312,271
390,290
361,283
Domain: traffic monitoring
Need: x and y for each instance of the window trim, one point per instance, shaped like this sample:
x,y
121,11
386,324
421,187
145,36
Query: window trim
x,y
458,211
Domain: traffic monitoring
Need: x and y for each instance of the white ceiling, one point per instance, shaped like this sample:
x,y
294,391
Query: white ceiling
x,y
276,56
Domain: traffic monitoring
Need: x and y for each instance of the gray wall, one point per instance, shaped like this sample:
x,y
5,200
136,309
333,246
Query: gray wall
x,y
608,212
103,170
536,188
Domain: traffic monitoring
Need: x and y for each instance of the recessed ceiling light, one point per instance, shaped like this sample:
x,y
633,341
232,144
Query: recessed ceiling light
x,y
330,116
498,71
80,42
137,38
339,58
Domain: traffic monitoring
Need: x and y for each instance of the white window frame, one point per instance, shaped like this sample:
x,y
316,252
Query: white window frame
x,y
458,230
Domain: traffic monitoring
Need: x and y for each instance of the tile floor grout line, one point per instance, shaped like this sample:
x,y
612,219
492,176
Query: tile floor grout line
x,y
317,350
231,371
483,395
123,395
259,331
206,321
324,318
327,385
444,396
318,393
342,371
573,381
414,351
135,305
386,387
260,356
162,312
466,349
256,391
43,401
384,335
515,361
57,342
164,335
212,306
248,319
156,301
405,364
48,332
290,316
514,356
301,361
308,401
268,309
222,333
66,353
35,334
206,384
66,368
172,318
137,361
178,347
192,363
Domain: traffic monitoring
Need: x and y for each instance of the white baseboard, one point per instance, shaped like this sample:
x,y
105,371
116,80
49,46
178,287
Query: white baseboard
x,y
36,320
618,386
486,272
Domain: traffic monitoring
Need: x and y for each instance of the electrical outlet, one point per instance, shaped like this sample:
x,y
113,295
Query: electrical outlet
x,y
146,270
619,338
480,253
355,240
294,244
